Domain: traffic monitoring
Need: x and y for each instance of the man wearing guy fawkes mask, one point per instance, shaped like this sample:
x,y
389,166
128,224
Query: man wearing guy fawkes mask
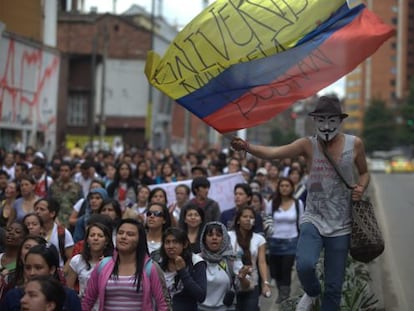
x,y
328,118
326,222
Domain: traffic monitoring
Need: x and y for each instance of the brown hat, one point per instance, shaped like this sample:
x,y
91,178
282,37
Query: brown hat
x,y
328,106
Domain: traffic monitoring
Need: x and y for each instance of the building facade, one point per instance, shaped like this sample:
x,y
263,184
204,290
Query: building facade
x,y
385,75
29,74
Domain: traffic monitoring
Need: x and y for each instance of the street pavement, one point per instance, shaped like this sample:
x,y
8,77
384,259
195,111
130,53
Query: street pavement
x,y
393,272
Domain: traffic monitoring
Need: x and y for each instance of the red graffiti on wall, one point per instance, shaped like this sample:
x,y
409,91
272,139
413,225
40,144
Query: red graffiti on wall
x,y
13,82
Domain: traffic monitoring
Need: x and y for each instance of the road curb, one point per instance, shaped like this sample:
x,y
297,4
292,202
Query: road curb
x,y
384,282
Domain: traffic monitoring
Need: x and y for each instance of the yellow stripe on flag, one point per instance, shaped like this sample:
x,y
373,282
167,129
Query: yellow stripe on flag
x,y
230,32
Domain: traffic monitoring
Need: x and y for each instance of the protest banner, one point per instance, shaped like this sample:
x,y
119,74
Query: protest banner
x,y
221,189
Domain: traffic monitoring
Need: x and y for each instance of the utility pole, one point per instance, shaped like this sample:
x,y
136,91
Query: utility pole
x,y
113,6
93,91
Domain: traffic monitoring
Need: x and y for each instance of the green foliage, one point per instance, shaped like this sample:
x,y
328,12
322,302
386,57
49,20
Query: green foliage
x,y
379,127
356,291
280,137
405,133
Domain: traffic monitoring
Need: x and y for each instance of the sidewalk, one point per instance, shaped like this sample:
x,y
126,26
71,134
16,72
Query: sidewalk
x,y
268,304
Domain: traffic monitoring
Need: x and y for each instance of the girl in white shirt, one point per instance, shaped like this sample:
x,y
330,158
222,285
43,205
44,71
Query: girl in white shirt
x,y
216,250
250,252
98,244
286,212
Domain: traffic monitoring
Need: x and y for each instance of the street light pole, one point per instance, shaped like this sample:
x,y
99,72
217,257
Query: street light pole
x,y
149,121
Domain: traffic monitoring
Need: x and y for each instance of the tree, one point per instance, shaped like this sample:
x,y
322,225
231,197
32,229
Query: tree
x,y
406,114
379,126
280,137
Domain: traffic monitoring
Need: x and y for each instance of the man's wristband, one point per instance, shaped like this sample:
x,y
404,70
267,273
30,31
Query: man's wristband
x,y
246,146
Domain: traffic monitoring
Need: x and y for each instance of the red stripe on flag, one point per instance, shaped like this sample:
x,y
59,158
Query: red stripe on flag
x,y
337,56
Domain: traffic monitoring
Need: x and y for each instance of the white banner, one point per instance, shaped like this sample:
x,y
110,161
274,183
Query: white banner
x,y
221,189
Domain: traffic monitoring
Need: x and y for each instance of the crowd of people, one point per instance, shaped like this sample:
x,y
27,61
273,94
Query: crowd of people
x,y
95,231
77,205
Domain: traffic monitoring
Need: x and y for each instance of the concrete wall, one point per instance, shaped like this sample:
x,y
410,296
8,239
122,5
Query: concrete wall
x,y
29,73
126,88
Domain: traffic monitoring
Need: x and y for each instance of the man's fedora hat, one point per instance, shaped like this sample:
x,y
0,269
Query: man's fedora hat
x,y
328,106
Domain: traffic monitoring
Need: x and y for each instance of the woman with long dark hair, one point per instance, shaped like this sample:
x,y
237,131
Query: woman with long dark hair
x,y
25,203
123,188
167,174
112,209
158,195
250,252
184,271
34,224
28,242
129,278
193,223
285,212
98,244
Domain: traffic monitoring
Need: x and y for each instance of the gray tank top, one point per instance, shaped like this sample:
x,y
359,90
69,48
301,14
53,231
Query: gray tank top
x,y
328,203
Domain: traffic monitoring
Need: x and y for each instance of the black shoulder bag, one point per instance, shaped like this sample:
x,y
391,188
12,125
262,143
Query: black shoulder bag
x,y
367,242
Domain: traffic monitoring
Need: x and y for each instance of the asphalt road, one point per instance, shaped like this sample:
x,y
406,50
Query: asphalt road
x,y
395,207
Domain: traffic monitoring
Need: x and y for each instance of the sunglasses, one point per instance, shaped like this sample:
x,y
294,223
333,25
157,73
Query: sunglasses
x,y
155,213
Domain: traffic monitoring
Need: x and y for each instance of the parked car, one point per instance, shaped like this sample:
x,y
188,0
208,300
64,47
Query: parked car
x,y
401,164
377,165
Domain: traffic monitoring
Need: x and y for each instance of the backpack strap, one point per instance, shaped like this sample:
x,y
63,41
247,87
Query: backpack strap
x,y
61,240
148,267
102,263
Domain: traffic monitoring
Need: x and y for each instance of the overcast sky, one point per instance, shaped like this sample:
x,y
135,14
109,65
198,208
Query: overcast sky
x,y
178,12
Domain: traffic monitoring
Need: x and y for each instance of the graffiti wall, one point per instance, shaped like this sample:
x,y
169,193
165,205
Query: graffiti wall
x,y
29,76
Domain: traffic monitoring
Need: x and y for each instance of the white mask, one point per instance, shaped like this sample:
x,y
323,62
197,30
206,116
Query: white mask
x,y
327,127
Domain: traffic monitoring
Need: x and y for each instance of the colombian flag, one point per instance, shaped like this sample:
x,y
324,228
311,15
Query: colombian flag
x,y
240,63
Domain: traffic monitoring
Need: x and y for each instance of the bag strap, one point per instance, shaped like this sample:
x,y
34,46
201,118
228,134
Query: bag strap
x,y
61,241
336,168
297,214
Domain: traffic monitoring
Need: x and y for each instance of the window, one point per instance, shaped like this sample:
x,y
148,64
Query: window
x,y
165,104
77,114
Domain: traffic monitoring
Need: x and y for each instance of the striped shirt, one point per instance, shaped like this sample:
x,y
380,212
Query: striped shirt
x,y
121,295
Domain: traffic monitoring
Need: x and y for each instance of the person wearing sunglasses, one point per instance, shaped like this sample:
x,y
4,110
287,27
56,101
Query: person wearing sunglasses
x,y
157,220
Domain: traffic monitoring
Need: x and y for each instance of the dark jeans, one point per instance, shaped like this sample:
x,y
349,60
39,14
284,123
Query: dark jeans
x,y
336,251
281,268
248,300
